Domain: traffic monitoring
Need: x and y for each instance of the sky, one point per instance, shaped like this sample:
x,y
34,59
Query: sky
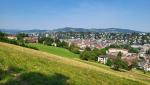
x,y
52,14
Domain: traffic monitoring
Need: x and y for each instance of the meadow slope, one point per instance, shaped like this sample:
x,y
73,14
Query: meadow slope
x,y
54,50
23,66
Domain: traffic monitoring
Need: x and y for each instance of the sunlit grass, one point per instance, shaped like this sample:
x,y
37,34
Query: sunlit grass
x,y
55,50
40,67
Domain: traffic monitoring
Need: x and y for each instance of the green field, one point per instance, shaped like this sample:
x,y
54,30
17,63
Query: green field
x,y
23,66
55,50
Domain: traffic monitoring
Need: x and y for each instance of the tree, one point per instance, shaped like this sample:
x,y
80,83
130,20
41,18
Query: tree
x,y
133,65
46,40
103,51
133,50
20,36
119,63
64,44
119,54
84,55
49,41
148,51
92,56
1,68
97,51
88,55
73,48
58,42
109,62
2,35
143,39
88,48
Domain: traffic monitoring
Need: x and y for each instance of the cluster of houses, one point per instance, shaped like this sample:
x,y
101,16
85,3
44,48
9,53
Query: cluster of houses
x,y
125,38
92,43
29,39
143,61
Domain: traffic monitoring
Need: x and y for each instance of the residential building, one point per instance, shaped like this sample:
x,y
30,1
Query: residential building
x,y
12,37
31,39
115,51
102,59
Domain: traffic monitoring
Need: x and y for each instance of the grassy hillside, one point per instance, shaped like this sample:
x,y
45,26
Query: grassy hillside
x,y
23,66
55,50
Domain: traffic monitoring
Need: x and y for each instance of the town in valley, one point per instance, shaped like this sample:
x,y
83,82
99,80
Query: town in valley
x,y
134,46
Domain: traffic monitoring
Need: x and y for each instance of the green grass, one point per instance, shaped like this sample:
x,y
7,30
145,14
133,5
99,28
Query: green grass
x,y
55,50
23,66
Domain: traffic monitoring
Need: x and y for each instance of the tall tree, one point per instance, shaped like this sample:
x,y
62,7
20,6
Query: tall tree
x,y
2,35
148,51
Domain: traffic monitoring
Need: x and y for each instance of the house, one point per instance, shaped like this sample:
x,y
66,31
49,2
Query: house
x,y
130,58
144,63
54,44
136,46
147,67
146,47
102,59
12,37
31,39
46,35
115,51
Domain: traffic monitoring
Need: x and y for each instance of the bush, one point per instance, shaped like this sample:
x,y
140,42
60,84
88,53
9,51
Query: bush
x,y
46,40
73,48
88,49
32,47
88,55
93,56
84,55
109,62
64,44
133,50
148,51
118,63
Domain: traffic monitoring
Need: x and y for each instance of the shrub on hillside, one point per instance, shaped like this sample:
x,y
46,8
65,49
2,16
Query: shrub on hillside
x,y
109,62
148,51
133,50
85,55
88,55
119,63
73,48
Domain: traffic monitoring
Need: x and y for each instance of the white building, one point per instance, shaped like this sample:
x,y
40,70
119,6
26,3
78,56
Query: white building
x,y
136,46
46,35
12,37
102,59
144,64
147,67
54,44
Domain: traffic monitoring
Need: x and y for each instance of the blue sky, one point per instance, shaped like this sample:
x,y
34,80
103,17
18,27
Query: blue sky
x,y
52,14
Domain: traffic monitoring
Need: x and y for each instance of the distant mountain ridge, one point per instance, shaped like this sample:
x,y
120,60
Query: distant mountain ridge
x,y
14,31
34,31
70,29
